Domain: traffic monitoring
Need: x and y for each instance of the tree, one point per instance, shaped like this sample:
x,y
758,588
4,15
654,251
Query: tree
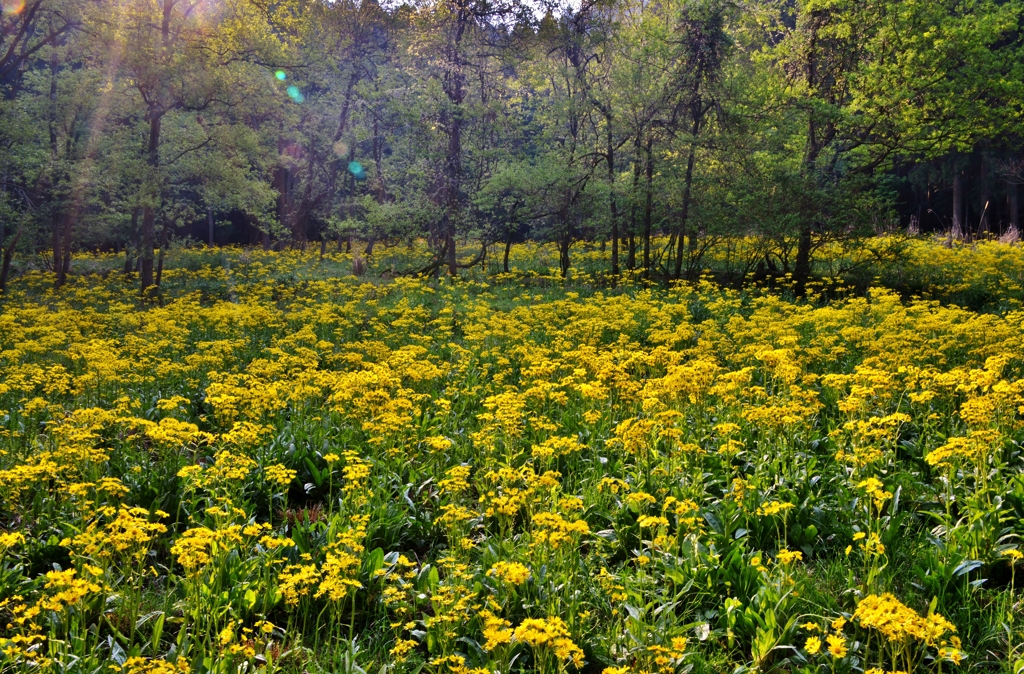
x,y
126,121
29,26
452,44
873,80
186,64
700,53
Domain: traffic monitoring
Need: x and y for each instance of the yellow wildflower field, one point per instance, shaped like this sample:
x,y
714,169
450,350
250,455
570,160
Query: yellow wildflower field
x,y
266,469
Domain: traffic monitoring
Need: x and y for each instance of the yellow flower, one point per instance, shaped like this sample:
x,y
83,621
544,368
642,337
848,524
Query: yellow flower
x,y
774,508
786,556
9,540
512,573
549,635
651,521
227,635
400,651
836,645
898,622
496,631
954,655
812,645
280,475
1014,554
873,545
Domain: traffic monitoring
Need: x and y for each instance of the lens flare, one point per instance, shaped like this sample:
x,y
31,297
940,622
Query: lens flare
x,y
13,6
295,94
341,148
281,75
356,169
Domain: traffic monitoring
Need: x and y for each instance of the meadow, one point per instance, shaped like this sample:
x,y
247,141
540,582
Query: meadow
x,y
272,465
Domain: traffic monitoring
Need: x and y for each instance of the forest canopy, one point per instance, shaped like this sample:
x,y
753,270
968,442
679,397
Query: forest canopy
x,y
657,130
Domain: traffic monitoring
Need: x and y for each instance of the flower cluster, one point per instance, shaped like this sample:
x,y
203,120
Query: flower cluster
x,y
504,472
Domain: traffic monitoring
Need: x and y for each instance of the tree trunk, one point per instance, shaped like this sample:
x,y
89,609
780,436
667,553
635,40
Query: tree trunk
x,y
57,218
817,140
684,215
563,252
337,167
58,260
957,227
5,269
984,223
696,105
283,184
156,115
164,237
61,248
1014,208
802,269
454,80
452,207
613,206
265,236
508,247
146,245
648,205
69,223
378,157
148,235
209,221
637,170
129,261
